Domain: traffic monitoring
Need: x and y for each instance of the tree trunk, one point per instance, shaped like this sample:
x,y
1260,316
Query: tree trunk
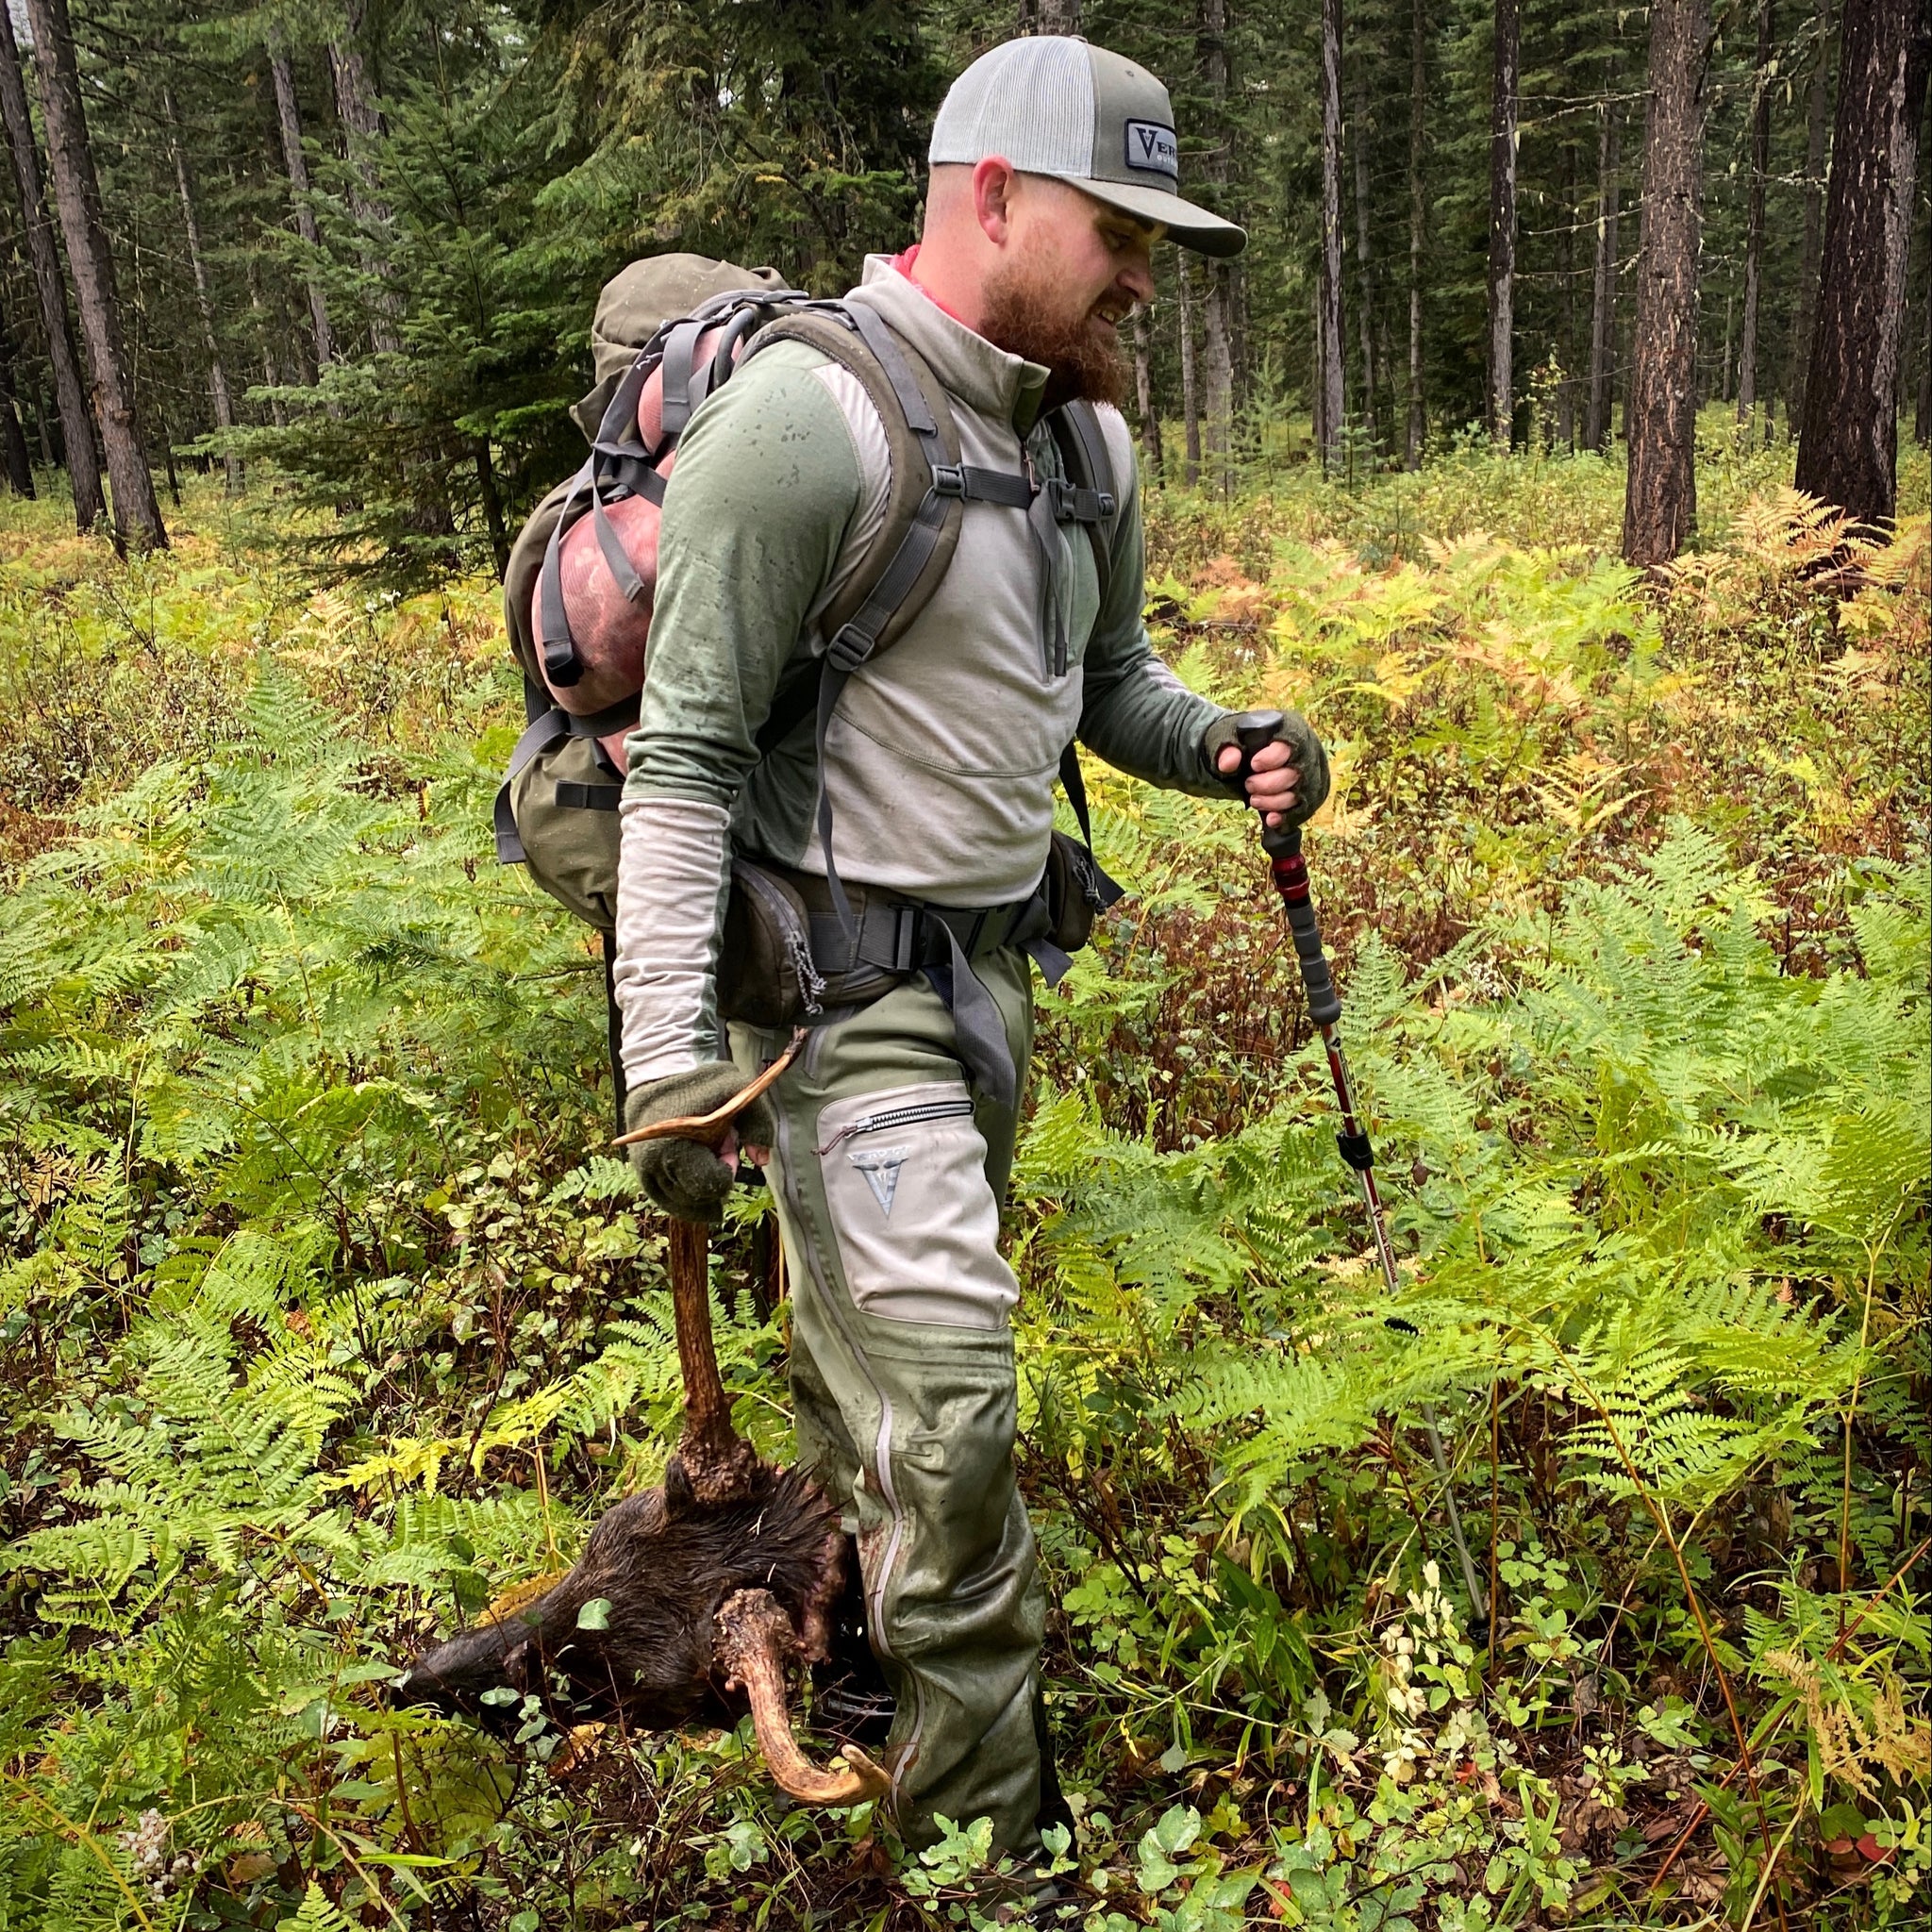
x,y
191,223
361,129
1723,365
1210,42
70,392
77,194
288,113
1317,429
264,336
1921,425
1660,497
1754,220
1049,17
1364,275
1817,128
1566,388
1848,440
1191,398
1603,294
1331,414
1217,372
1143,391
1418,208
492,507
20,468
1501,400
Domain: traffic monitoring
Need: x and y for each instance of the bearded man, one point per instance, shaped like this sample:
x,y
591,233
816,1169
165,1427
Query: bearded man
x,y
911,820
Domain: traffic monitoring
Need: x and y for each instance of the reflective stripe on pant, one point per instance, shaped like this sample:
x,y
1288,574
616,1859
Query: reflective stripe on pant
x,y
888,1179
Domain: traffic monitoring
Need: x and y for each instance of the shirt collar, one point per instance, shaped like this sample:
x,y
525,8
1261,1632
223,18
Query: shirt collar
x,y
983,377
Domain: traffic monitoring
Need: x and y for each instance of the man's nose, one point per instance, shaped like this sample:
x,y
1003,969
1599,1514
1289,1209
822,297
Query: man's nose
x,y
1136,279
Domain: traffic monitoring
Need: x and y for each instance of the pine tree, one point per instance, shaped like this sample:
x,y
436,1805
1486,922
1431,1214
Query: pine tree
x,y
1848,445
1661,501
79,448
77,193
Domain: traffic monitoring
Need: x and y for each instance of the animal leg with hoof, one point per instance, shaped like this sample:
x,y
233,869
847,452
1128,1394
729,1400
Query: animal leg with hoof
x,y
754,1640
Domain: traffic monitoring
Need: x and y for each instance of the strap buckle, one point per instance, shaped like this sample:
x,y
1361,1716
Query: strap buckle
x,y
949,479
906,938
561,665
849,649
1074,503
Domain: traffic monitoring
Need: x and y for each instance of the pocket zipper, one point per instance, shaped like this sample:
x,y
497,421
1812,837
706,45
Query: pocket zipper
x,y
909,1116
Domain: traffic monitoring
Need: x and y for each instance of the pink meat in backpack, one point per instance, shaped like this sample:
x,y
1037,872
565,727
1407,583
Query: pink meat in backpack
x,y
610,631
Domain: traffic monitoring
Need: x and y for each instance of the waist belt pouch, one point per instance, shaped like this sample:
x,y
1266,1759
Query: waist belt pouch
x,y
766,975
1077,892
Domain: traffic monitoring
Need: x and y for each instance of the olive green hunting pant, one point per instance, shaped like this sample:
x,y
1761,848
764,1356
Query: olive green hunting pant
x,y
888,1177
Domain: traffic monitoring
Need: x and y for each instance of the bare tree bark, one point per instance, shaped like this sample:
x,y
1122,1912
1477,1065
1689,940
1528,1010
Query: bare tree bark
x,y
204,301
77,194
1049,17
1417,210
43,253
1817,130
363,129
1501,399
1190,396
1603,300
1660,497
1331,414
1848,440
1754,220
1364,273
288,116
1143,393
20,468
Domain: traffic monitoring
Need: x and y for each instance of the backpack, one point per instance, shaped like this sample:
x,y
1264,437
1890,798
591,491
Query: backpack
x,y
556,810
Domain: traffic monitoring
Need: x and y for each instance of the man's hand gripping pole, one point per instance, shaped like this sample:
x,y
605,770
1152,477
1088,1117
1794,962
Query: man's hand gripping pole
x,y
1283,845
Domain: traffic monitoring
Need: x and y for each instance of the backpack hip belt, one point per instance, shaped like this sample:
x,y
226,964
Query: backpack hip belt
x,y
795,944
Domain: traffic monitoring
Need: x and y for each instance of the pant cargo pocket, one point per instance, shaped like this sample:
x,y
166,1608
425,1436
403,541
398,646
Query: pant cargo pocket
x,y
917,1227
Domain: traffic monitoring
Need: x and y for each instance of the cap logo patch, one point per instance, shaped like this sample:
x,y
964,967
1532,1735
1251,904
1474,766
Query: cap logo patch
x,y
1154,147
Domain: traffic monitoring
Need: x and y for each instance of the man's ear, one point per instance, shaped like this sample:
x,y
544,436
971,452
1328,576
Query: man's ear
x,y
994,181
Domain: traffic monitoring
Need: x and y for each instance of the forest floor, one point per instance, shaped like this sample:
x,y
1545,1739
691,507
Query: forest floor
x,y
327,1320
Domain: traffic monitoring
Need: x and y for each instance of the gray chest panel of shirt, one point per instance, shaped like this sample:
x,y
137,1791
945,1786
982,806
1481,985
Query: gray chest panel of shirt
x,y
942,756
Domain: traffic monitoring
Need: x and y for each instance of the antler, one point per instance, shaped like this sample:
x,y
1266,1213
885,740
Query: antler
x,y
718,1462
754,1638
710,1127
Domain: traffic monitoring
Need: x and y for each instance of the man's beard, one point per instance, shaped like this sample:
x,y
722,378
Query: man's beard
x,y
1081,355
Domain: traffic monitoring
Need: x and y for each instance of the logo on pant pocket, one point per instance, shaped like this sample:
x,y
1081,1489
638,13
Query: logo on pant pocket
x,y
880,1166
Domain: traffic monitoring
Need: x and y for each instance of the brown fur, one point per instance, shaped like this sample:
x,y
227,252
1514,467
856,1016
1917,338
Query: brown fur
x,y
667,1565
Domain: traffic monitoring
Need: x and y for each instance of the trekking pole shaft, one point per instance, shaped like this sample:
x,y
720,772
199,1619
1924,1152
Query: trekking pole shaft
x,y
1283,845
1289,872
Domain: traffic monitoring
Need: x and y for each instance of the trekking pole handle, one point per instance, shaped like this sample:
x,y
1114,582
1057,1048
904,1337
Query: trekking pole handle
x,y
1283,845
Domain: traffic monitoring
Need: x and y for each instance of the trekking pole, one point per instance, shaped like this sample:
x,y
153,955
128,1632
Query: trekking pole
x,y
1254,729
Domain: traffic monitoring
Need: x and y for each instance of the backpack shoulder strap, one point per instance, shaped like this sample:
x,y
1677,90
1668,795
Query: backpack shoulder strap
x,y
894,582
1082,443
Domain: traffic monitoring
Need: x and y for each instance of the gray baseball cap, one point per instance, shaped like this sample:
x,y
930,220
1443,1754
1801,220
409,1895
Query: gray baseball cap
x,y
1052,104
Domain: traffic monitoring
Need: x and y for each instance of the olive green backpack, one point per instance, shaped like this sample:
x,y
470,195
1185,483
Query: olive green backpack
x,y
557,811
